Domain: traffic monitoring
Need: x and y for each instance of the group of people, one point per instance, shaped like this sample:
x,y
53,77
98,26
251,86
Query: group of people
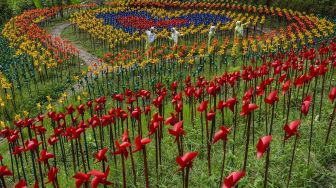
x,y
151,36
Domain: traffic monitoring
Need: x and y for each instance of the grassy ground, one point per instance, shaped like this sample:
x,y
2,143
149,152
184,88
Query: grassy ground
x,y
82,41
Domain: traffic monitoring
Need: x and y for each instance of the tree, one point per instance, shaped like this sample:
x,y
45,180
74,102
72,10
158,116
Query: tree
x,y
5,12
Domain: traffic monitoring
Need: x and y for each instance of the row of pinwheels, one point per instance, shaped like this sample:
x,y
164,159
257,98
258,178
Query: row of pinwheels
x,y
268,101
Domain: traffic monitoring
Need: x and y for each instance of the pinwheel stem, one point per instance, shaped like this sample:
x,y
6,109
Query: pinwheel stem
x,y
32,156
213,119
55,183
3,183
22,167
330,124
40,168
312,121
187,177
112,145
202,129
17,166
82,154
267,166
73,156
22,140
180,151
160,134
63,154
234,130
292,161
11,157
156,158
223,163
87,150
133,168
145,166
247,141
271,123
55,163
94,136
208,148
123,170
322,92
287,114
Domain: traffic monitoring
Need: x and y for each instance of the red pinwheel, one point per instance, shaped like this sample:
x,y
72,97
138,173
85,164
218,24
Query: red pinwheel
x,y
101,155
332,95
52,140
157,102
203,106
221,134
260,90
220,105
21,184
305,105
174,85
286,86
31,144
155,123
153,127
210,116
247,108
45,156
186,160
230,103
81,109
136,113
52,176
263,145
171,120
272,98
122,148
198,93
82,178
292,129
100,177
70,109
140,143
233,179
248,94
147,110
177,130
40,117
4,171
5,132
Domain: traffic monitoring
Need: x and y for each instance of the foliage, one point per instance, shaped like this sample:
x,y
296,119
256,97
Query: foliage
x,y
6,11
322,7
18,6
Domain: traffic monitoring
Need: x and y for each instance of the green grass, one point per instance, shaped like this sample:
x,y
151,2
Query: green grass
x,y
83,41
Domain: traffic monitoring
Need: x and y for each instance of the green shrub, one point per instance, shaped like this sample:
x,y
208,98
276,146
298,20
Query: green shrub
x,y
6,11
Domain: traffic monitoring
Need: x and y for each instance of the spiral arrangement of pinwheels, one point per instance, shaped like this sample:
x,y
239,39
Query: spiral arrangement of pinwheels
x,y
256,110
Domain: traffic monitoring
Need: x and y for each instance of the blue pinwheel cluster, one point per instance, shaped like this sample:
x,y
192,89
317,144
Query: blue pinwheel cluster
x,y
205,18
147,20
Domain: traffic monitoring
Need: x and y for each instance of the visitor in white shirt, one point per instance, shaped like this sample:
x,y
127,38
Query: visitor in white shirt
x,y
151,36
174,35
